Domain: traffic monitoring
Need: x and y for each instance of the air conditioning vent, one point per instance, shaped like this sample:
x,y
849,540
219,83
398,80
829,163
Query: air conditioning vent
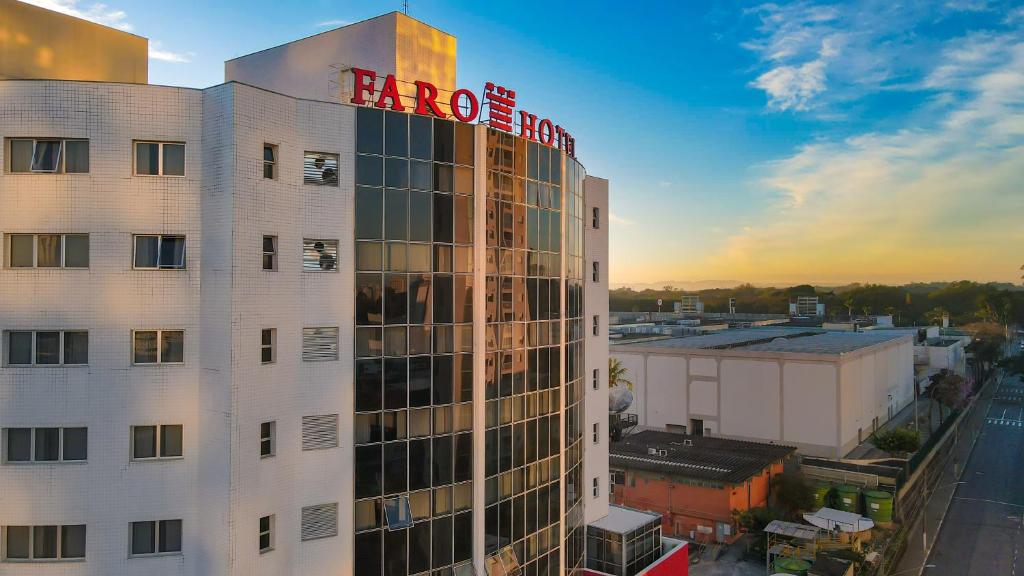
x,y
320,432
652,451
662,452
687,442
320,521
319,344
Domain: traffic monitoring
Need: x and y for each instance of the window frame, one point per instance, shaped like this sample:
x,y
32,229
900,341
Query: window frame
x,y
596,432
274,255
273,164
159,250
596,274
62,155
597,325
159,443
596,384
156,539
312,154
32,446
596,223
269,532
8,252
272,346
160,158
271,439
34,351
159,347
320,269
31,545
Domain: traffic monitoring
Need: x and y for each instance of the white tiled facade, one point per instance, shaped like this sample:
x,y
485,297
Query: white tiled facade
x,y
221,393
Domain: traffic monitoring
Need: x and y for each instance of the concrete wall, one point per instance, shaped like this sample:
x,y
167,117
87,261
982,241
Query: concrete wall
x,y
389,44
595,455
109,299
36,43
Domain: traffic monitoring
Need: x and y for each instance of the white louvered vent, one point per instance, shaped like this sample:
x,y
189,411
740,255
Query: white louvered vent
x,y
320,521
320,432
319,344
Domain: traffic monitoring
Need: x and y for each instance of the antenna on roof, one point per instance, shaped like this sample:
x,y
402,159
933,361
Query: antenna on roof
x,y
405,7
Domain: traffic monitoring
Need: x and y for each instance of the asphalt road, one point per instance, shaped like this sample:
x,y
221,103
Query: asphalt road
x,y
983,531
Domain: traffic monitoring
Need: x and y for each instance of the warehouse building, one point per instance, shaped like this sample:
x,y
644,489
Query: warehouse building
x,y
823,392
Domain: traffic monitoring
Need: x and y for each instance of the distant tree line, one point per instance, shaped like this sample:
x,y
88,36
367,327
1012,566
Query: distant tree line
x,y
913,304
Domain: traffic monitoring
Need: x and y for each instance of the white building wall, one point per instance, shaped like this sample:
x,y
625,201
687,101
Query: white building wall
x,y
816,402
110,299
595,455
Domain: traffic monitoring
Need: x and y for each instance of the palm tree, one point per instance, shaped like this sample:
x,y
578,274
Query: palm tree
x,y
948,390
617,374
849,306
935,315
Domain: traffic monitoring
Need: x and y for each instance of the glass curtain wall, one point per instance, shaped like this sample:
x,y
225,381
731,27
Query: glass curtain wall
x,y
575,535
524,333
414,344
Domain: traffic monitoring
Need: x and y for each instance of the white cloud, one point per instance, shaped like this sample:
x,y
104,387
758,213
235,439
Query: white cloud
x,y
616,219
158,53
96,12
792,87
332,23
665,184
102,14
938,199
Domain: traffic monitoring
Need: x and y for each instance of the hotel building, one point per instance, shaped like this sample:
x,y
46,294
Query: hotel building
x,y
258,329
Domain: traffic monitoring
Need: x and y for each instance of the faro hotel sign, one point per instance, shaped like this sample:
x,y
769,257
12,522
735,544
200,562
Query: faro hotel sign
x,y
464,106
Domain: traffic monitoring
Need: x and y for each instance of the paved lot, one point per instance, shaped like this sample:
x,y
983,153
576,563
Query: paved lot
x,y
983,532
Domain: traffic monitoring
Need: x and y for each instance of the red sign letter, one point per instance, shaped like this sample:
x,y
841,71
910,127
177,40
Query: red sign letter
x,y
363,83
390,90
500,102
426,94
474,105
560,132
546,136
527,125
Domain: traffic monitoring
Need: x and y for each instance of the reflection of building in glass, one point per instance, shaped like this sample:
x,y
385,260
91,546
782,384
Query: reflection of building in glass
x,y
326,339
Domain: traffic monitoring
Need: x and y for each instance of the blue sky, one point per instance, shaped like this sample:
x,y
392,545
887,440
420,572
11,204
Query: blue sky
x,y
774,143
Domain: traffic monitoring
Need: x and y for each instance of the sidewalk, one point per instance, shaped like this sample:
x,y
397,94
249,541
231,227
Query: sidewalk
x,y
918,546
905,417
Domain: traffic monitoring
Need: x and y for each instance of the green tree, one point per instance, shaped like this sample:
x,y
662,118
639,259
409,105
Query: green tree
x,y
897,440
935,315
793,493
617,374
947,388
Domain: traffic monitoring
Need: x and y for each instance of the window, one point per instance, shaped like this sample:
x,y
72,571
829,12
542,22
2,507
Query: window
x,y
268,441
156,537
270,161
597,271
270,253
42,543
597,378
597,432
319,521
597,325
158,252
320,169
319,255
268,341
158,346
159,159
48,156
597,218
398,513
319,344
596,490
266,533
156,441
320,432
46,347
48,250
45,444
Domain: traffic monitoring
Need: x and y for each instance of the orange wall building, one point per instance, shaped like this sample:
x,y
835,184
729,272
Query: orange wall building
x,y
694,482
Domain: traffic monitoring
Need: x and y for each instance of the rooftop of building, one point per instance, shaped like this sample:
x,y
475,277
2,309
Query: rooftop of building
x,y
781,339
621,520
699,457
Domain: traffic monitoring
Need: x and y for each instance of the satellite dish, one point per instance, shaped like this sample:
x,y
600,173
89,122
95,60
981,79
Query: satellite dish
x,y
619,399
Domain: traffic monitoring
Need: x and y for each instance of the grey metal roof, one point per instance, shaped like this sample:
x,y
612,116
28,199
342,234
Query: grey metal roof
x,y
727,338
699,457
792,530
621,520
827,343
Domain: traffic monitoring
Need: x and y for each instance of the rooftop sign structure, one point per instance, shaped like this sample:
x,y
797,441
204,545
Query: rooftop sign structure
x,y
464,106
